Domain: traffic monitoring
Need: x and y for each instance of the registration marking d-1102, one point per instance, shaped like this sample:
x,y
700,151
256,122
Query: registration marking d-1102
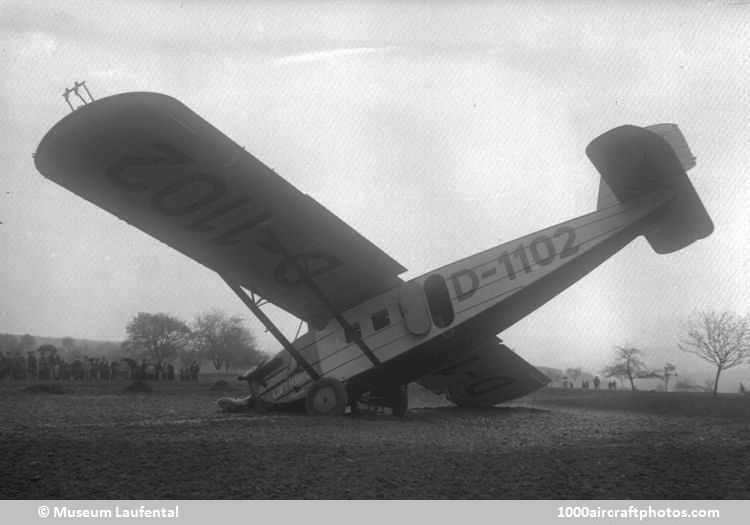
x,y
541,250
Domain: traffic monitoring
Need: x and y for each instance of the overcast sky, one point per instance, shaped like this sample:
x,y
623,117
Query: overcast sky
x,y
435,129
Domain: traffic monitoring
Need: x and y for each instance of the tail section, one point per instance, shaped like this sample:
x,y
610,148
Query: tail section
x,y
636,161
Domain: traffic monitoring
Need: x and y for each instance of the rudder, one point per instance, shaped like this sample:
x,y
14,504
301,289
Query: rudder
x,y
636,161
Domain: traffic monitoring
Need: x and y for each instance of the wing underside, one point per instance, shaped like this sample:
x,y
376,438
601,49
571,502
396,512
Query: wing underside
x,y
488,374
154,163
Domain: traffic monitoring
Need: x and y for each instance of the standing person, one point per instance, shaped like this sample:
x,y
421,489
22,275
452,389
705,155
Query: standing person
x,y
64,369
194,370
54,361
76,369
86,368
32,366
596,383
19,366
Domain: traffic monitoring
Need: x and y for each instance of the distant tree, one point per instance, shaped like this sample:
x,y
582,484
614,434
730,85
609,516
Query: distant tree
x,y
573,373
206,337
157,337
46,350
722,339
688,384
617,370
189,352
68,343
667,372
27,343
628,364
243,354
223,340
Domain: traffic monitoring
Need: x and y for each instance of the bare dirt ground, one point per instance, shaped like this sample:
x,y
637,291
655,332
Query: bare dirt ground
x,y
95,441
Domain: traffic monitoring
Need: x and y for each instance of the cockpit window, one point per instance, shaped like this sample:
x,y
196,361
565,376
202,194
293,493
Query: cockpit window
x,y
380,319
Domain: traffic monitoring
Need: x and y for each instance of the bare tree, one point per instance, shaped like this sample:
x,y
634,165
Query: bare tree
x,y
617,370
207,337
628,364
224,340
721,338
243,353
157,336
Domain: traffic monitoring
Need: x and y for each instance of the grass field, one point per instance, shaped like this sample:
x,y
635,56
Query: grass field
x,y
95,441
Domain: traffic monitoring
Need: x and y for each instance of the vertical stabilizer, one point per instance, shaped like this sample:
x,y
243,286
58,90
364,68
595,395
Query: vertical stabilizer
x,y
606,197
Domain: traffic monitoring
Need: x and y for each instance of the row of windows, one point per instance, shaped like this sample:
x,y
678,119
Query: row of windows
x,y
380,319
438,301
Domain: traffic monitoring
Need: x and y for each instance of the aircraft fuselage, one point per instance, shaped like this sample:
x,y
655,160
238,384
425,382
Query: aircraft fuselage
x,y
422,324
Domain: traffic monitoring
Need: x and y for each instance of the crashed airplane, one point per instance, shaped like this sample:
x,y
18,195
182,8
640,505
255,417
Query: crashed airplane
x,y
151,161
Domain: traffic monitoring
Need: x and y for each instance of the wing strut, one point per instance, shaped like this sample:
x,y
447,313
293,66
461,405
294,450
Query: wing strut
x,y
308,280
301,361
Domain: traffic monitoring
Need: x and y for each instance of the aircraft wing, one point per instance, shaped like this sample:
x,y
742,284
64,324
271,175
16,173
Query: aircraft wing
x,y
488,374
151,161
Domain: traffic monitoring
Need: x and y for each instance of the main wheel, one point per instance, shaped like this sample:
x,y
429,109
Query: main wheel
x,y
399,401
327,397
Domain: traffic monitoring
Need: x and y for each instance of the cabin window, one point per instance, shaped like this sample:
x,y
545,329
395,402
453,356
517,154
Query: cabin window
x,y
380,319
357,330
413,305
439,301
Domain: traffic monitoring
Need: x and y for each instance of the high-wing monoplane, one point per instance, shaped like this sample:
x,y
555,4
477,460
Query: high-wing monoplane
x,y
154,163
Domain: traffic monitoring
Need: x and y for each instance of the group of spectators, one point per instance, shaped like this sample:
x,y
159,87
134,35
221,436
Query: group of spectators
x,y
611,385
55,367
586,385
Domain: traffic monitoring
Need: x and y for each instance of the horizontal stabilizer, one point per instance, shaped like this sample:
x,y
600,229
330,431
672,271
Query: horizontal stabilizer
x,y
488,374
634,162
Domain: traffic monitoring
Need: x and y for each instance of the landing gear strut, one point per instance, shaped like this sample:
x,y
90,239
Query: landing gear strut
x,y
394,397
399,401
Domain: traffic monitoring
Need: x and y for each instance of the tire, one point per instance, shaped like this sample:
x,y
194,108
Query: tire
x,y
327,397
399,401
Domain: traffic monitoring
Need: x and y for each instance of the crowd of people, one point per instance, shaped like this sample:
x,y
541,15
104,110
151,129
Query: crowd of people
x,y
52,366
